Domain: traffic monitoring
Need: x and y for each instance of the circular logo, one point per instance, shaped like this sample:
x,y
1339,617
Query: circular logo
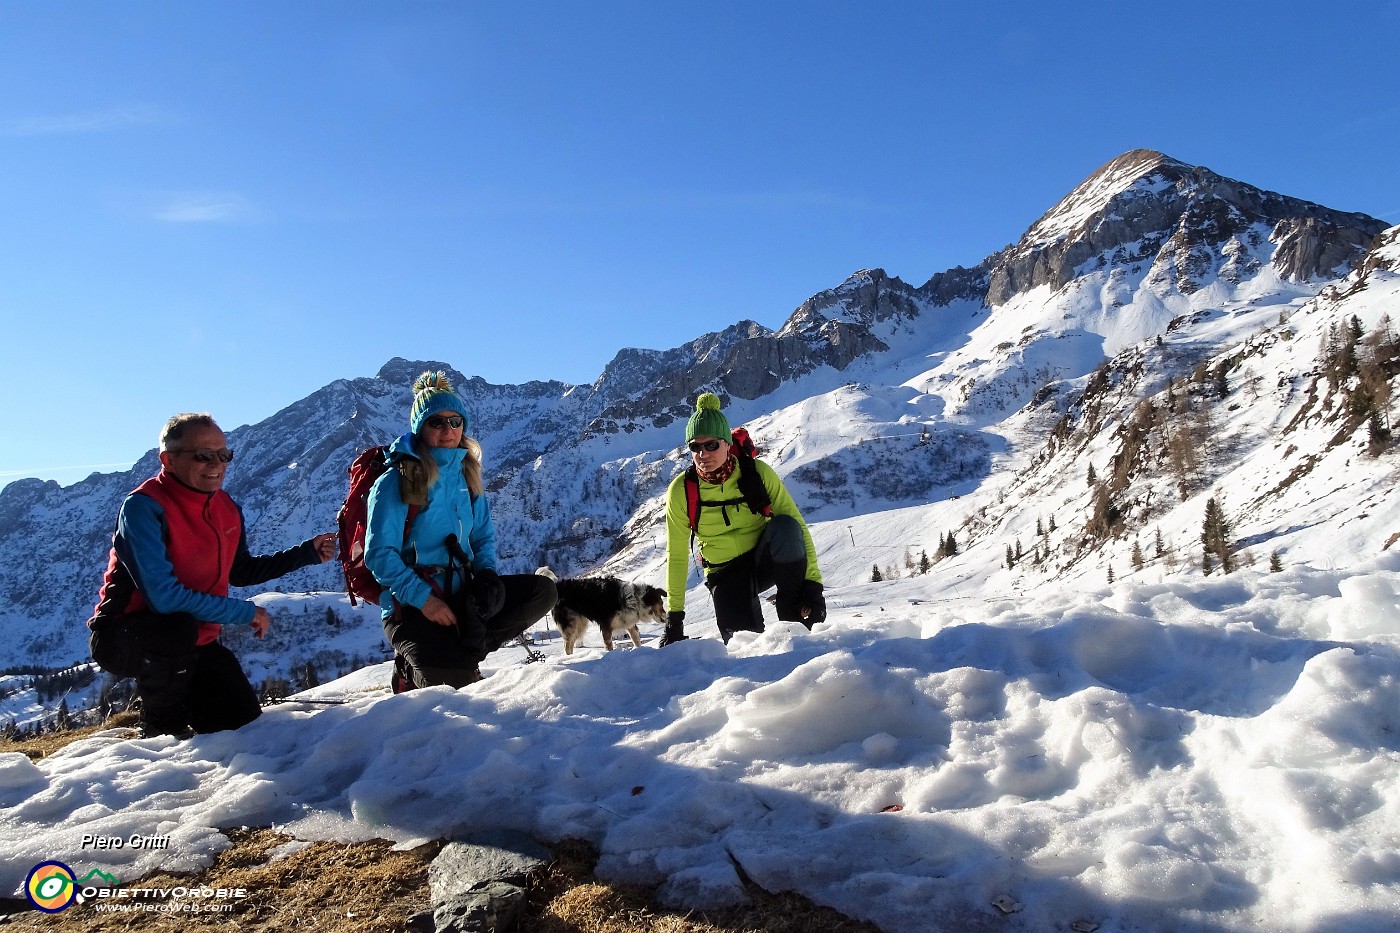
x,y
51,886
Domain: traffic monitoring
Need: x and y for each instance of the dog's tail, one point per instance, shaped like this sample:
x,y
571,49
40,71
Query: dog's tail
x,y
546,572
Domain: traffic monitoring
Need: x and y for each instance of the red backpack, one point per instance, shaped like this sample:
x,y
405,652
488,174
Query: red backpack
x,y
752,492
352,520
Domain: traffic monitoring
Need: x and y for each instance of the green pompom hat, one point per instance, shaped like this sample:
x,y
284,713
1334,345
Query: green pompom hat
x,y
708,420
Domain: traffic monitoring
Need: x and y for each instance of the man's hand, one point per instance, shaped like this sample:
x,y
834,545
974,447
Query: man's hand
x,y
325,546
435,610
261,621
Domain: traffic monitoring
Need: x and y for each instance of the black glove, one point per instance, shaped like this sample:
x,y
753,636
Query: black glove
x,y
489,590
813,603
465,601
675,629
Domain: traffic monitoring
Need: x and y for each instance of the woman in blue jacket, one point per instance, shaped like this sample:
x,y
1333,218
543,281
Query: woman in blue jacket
x,y
431,543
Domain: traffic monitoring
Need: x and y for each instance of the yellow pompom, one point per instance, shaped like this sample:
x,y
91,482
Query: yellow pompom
x,y
435,380
708,400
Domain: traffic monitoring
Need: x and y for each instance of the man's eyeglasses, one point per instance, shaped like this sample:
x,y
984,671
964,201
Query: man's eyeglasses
x,y
708,447
438,422
209,455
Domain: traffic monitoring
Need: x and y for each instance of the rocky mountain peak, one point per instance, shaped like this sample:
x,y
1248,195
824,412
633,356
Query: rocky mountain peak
x,y
1185,223
1134,174
402,372
866,297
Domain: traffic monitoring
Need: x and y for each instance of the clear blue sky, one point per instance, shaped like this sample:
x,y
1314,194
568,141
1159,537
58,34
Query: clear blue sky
x,y
224,206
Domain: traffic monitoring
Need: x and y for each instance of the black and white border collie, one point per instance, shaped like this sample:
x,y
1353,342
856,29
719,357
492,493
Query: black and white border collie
x,y
614,604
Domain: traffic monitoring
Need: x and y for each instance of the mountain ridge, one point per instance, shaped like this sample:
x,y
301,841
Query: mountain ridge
x,y
976,366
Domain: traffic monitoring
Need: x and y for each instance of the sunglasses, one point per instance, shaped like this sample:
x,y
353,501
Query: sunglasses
x,y
708,447
438,422
209,455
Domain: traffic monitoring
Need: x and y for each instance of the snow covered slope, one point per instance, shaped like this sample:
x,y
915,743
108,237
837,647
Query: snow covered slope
x,y
876,396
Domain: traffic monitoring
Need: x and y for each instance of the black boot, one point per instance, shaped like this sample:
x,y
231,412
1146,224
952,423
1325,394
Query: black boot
x,y
401,680
454,677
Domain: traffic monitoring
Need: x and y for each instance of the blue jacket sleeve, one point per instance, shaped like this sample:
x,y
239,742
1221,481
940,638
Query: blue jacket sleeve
x,y
140,546
483,535
384,550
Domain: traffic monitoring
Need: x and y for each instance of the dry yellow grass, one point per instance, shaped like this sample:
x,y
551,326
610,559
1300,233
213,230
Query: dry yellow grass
x,y
41,745
370,888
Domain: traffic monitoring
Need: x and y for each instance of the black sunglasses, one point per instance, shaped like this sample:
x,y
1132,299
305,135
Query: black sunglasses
x,y
708,447
209,455
438,422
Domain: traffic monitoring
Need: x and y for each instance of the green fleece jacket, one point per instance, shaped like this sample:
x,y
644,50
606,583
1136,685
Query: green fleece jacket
x,y
721,542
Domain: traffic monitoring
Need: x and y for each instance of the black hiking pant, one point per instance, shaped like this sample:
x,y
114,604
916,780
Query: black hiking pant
x,y
437,654
778,559
182,685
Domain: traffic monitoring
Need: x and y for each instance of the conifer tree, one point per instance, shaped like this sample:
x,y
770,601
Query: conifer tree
x,y
1377,434
274,688
1215,539
1275,562
1138,561
924,562
1222,379
875,576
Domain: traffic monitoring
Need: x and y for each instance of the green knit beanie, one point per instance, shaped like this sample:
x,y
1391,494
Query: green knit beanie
x,y
708,420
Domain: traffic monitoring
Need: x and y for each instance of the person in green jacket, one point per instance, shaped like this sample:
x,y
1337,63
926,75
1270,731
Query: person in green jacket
x,y
743,551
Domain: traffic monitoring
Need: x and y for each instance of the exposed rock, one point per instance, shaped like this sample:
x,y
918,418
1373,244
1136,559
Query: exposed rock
x,y
478,884
1309,248
1384,253
1179,217
489,908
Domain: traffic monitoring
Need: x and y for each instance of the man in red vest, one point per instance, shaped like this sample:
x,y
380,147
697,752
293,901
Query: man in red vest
x,y
178,546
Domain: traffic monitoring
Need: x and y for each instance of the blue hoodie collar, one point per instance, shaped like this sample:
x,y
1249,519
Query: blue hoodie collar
x,y
444,456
